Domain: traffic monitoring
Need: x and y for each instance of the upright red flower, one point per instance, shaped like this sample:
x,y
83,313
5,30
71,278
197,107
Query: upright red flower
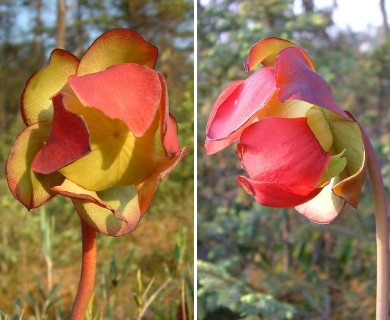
x,y
299,148
98,130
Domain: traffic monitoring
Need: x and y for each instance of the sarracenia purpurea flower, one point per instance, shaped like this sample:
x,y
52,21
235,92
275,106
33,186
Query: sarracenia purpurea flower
x,y
299,148
98,130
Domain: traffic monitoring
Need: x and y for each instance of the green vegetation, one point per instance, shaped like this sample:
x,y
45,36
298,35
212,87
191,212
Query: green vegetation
x,y
147,273
261,263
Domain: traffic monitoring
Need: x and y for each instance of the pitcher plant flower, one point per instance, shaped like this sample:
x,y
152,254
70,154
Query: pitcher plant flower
x,y
298,146
98,131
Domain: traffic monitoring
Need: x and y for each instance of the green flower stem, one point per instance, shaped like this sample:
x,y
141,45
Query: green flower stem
x,y
88,271
382,232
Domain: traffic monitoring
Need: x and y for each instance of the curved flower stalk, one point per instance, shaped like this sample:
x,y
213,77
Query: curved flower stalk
x,y
98,131
298,147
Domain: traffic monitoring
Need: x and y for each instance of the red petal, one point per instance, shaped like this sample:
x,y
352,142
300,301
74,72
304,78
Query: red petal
x,y
171,139
168,125
68,141
283,153
297,81
277,195
164,106
242,104
129,92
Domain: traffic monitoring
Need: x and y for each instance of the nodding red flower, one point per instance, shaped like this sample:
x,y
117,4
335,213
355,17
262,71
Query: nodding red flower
x,y
299,148
98,131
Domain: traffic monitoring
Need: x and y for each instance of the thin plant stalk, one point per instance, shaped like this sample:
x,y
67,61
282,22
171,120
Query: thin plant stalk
x,y
382,232
88,271
152,297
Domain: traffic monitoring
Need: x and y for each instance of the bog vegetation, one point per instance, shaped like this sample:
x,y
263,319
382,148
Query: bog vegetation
x,y
147,274
260,263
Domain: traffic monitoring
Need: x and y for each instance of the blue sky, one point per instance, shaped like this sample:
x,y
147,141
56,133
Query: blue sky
x,y
357,15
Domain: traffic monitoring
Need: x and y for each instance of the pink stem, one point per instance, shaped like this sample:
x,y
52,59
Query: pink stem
x,y
382,232
88,271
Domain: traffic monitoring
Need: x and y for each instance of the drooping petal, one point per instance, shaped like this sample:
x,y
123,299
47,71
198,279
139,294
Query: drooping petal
x,y
348,137
296,80
113,211
282,154
213,146
265,51
147,188
117,157
350,187
242,104
68,141
115,47
36,104
323,208
128,92
30,188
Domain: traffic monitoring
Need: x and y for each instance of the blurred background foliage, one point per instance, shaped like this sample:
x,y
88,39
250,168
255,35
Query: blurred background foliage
x,y
260,263
147,274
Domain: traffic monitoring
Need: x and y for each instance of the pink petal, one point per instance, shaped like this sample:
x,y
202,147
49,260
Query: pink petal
x,y
242,104
129,92
68,141
213,146
282,154
297,81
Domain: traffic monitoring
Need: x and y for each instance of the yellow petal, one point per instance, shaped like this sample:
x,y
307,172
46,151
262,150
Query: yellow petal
x,y
30,188
117,157
115,47
286,109
324,207
113,212
36,102
265,51
320,127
